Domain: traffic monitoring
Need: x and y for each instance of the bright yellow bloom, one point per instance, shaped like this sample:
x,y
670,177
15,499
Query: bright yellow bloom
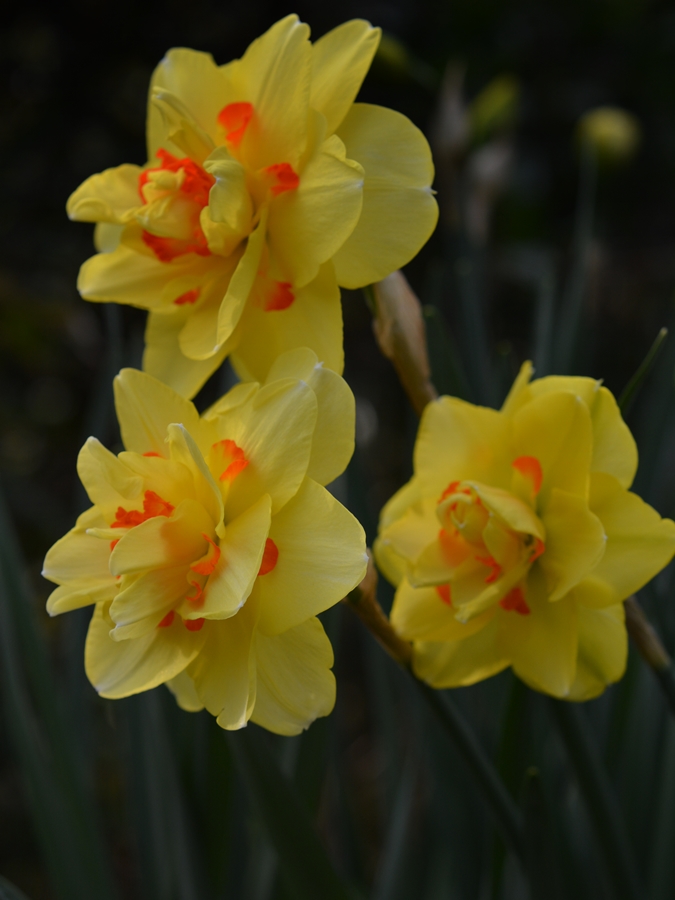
x,y
212,545
516,540
266,188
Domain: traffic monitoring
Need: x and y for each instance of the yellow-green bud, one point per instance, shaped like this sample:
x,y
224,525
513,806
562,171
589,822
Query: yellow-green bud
x,y
611,132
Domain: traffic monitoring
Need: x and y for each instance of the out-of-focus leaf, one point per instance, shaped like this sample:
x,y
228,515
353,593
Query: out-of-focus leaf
x,y
662,861
446,367
304,864
630,391
63,814
398,842
9,891
542,872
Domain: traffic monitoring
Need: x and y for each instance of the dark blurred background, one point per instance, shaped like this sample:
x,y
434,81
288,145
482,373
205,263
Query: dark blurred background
x,y
74,78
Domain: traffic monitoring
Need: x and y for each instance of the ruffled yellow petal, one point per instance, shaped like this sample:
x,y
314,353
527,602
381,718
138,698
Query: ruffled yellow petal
x,y
183,449
456,441
461,663
322,556
274,76
163,542
421,614
164,360
399,211
224,672
140,279
198,338
340,61
122,668
181,130
140,606
542,646
307,226
107,481
556,430
240,284
313,320
639,542
575,543
411,533
614,450
333,443
145,409
294,682
112,196
79,557
603,650
197,82
519,389
274,432
241,550
183,689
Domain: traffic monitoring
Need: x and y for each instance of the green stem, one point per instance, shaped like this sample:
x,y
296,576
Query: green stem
x,y
600,801
505,811
633,386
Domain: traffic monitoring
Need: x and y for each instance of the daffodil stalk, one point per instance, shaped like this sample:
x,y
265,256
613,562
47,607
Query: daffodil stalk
x,y
363,601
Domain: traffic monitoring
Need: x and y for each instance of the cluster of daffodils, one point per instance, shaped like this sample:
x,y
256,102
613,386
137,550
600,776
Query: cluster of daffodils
x,y
517,539
266,188
212,545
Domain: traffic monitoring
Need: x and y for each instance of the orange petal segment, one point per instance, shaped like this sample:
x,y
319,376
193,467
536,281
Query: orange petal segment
x,y
514,601
530,467
167,620
188,297
496,569
194,624
270,557
152,453
209,561
281,296
238,462
283,178
153,505
234,120
196,599
443,591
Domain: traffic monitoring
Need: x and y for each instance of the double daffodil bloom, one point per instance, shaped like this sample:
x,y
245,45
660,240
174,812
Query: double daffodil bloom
x,y
266,188
212,545
516,540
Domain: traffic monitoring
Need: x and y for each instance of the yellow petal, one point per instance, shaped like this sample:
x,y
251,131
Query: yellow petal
x,y
145,409
308,225
138,279
420,614
461,663
603,649
194,79
333,443
183,689
229,198
639,542
519,390
457,441
241,550
241,283
107,237
107,481
392,565
122,668
556,429
575,542
139,608
112,196
295,683
313,320
76,594
274,76
162,541
224,672
399,210
542,645
513,511
235,397
80,557
614,450
198,339
322,556
274,430
184,449
180,127
413,531
164,360
340,61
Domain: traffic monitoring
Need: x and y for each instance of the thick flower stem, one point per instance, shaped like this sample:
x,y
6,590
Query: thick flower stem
x,y
399,330
363,601
600,801
651,649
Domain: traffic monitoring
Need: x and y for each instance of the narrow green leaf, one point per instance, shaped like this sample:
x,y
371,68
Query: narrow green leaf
x,y
9,891
304,864
396,851
630,391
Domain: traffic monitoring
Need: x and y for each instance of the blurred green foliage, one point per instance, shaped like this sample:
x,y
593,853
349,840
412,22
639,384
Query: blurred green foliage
x,y
537,255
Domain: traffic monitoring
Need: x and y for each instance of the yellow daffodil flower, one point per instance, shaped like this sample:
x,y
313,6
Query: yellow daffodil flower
x,y
212,545
517,539
266,188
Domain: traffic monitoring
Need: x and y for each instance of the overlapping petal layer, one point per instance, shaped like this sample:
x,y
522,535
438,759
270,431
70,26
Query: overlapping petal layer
x,y
516,540
212,544
266,188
